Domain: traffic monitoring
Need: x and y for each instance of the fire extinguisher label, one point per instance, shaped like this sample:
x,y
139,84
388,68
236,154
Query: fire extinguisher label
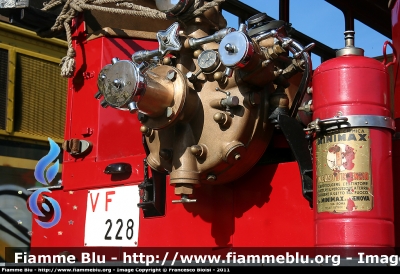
x,y
343,166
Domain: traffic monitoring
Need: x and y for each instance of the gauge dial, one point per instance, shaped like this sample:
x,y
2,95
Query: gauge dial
x,y
208,60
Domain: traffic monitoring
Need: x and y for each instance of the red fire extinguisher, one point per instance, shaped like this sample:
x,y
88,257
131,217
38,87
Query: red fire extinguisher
x,y
352,145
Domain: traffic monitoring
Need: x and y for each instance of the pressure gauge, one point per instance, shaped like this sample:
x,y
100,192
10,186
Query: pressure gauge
x,y
173,7
208,60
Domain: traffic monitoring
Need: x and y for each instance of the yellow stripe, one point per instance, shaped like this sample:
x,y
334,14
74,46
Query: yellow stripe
x,y
10,36
32,35
20,163
29,136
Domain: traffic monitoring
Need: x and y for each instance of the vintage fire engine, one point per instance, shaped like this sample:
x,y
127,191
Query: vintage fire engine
x,y
177,130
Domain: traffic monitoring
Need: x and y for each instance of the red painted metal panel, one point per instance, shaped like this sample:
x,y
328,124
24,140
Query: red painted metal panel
x,y
86,174
207,223
263,209
270,209
114,134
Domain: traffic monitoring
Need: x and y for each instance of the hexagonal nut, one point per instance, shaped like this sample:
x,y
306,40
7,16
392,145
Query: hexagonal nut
x,y
171,75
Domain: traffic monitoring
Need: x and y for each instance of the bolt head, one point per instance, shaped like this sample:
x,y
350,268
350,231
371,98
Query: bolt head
x,y
196,53
196,150
218,76
219,118
144,129
117,83
230,48
167,61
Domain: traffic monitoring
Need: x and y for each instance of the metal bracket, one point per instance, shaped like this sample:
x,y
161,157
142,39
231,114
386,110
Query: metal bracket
x,y
317,125
295,137
351,121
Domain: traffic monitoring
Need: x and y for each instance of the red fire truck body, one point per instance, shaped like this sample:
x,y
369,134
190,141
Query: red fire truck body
x,y
221,212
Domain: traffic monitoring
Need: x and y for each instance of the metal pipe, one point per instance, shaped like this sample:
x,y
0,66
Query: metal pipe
x,y
216,37
348,20
305,81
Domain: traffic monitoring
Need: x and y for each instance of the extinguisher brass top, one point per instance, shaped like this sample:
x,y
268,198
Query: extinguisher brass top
x,y
349,48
